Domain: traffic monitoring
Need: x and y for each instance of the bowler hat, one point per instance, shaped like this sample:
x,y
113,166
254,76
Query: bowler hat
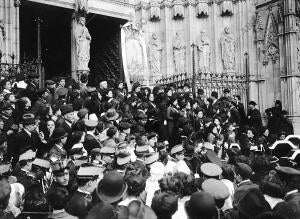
x,y
200,91
112,187
28,118
201,203
58,133
252,103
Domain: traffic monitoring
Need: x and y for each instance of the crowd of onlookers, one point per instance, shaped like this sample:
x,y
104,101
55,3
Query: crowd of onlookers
x,y
76,150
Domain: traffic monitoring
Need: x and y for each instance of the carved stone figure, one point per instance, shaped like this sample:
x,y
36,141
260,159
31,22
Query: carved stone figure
x,y
82,6
2,37
178,9
204,52
154,10
83,40
259,28
228,50
179,54
155,50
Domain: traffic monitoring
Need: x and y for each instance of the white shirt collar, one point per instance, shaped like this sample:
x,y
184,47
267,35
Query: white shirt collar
x,y
29,133
290,193
61,148
244,181
69,123
85,192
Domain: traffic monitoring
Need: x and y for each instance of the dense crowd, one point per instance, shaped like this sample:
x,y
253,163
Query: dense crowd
x,y
71,150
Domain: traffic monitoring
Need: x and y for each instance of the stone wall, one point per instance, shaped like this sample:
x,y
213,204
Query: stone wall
x,y
9,17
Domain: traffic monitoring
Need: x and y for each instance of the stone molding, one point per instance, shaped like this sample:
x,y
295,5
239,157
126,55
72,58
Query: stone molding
x,y
169,3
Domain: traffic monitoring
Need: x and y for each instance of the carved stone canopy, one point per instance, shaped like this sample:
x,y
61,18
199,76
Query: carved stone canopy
x,y
154,11
227,8
178,9
202,9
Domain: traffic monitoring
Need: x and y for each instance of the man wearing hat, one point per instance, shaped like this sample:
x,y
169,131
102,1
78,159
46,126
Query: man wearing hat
x,y
107,155
254,117
24,175
34,194
112,188
214,105
40,108
61,177
81,201
201,204
244,173
290,178
91,140
177,152
123,159
218,190
200,99
59,139
68,118
50,86
240,108
26,137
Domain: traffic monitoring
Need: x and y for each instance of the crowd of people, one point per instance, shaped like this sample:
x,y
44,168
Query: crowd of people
x,y
72,150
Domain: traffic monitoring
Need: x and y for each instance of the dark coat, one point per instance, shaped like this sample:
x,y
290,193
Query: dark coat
x,y
290,208
241,109
80,204
90,142
254,120
39,108
234,116
21,142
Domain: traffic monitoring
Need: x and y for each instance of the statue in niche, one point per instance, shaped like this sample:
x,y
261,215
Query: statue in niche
x,y
228,50
179,54
2,38
82,6
83,40
204,52
178,9
155,50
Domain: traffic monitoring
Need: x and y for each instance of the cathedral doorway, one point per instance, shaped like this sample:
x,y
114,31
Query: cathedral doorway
x,y
55,39
106,56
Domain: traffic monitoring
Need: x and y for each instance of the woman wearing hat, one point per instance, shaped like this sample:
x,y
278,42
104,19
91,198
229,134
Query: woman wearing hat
x,y
172,115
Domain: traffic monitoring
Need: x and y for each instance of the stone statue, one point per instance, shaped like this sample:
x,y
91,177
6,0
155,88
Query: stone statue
x,y
2,38
179,54
204,52
83,40
82,6
228,50
155,49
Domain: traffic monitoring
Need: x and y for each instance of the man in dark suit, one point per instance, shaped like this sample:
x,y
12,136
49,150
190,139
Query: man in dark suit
x,y
40,107
234,114
244,173
58,138
290,177
91,139
27,137
241,109
254,118
68,118
50,86
81,201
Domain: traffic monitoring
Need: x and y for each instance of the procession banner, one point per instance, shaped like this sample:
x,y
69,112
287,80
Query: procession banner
x,y
134,55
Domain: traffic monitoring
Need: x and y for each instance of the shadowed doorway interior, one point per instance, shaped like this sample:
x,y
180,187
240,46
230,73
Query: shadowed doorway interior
x,y
55,38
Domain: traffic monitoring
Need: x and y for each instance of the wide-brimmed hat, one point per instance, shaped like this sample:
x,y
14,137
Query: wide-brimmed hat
x,y
112,187
111,115
28,118
58,133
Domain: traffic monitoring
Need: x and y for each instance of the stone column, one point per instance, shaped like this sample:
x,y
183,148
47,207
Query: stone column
x,y
292,72
73,48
